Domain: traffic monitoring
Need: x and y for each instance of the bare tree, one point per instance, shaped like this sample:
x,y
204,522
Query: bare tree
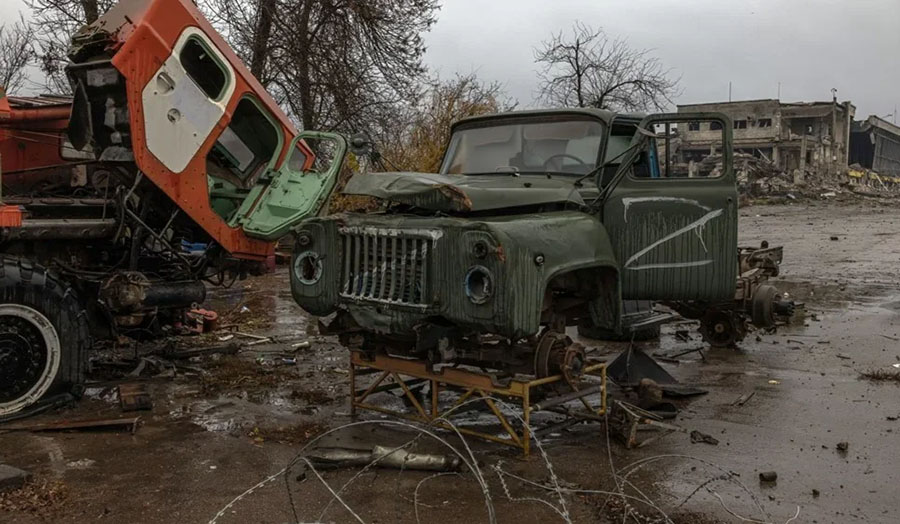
x,y
588,68
331,64
16,52
54,22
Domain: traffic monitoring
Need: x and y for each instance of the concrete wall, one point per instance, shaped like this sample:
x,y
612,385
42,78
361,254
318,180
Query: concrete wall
x,y
795,136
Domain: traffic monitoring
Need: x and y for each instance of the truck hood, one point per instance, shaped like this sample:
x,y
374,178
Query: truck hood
x,y
464,193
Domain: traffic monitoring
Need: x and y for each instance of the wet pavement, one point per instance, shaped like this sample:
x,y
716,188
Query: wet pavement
x,y
225,423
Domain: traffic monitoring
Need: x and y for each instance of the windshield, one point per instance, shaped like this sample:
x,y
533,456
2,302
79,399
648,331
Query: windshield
x,y
563,147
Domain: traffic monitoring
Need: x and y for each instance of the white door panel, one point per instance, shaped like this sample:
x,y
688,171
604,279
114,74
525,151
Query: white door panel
x,y
178,115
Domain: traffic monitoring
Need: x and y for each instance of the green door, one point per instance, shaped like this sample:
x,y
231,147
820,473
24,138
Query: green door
x,y
671,210
298,189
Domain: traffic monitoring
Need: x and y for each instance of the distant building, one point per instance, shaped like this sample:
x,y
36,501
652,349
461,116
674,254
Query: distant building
x,y
808,136
875,145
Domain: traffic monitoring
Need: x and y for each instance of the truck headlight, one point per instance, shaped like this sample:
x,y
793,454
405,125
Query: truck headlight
x,y
308,267
479,284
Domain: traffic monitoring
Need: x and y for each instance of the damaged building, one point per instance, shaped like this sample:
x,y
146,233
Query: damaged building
x,y
875,145
801,136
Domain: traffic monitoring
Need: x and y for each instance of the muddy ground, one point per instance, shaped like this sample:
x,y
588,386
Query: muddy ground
x,y
225,423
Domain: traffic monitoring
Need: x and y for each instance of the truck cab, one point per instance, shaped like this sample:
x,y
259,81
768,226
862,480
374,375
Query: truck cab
x,y
536,220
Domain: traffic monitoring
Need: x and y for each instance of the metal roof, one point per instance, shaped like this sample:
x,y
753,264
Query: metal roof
x,y
28,102
605,116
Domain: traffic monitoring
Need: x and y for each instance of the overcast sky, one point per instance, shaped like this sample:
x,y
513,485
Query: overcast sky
x,y
808,46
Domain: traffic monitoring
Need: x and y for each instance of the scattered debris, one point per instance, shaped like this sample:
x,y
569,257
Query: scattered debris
x,y
232,372
12,478
649,393
383,456
130,424
296,434
741,400
632,365
628,419
84,463
698,437
134,397
881,375
768,476
34,497
843,446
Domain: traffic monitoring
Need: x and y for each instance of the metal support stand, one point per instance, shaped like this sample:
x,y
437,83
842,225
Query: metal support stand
x,y
630,419
396,373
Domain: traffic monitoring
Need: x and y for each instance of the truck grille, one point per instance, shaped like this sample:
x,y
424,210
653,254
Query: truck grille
x,y
386,265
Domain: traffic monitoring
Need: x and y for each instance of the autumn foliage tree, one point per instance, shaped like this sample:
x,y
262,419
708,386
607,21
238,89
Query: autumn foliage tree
x,y
414,138
415,141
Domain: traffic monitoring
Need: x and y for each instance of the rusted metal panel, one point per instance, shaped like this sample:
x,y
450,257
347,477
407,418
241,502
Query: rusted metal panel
x,y
521,253
463,193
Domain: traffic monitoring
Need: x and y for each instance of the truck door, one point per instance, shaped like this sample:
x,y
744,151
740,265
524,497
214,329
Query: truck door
x,y
671,210
186,99
298,189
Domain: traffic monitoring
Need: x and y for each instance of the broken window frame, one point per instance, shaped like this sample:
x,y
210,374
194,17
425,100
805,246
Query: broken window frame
x,y
651,152
226,71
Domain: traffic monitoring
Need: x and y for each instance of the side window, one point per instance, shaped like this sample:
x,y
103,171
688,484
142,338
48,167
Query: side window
x,y
297,161
203,68
245,147
683,150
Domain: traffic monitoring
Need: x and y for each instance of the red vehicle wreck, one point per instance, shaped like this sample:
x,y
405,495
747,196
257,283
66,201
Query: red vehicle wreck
x,y
170,168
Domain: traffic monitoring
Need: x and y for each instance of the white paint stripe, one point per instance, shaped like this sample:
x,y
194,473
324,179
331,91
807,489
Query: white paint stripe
x,y
628,201
690,227
671,265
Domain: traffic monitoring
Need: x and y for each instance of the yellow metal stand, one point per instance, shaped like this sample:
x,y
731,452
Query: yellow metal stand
x,y
397,373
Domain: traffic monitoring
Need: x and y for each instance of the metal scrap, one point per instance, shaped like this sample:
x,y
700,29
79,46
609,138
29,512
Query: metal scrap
x,y
629,419
382,456
131,424
134,397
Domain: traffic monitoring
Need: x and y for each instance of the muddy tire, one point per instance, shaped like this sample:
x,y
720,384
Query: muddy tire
x,y
44,335
631,308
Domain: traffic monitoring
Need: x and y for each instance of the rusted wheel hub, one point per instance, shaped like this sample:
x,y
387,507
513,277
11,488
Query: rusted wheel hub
x,y
555,354
722,329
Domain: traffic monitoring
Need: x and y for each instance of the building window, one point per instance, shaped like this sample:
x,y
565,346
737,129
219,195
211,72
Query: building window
x,y
764,122
715,125
694,126
740,124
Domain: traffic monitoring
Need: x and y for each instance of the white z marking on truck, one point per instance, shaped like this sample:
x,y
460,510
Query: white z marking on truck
x,y
696,225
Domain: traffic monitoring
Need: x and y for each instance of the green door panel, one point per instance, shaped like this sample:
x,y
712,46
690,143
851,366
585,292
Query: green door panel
x,y
675,238
292,195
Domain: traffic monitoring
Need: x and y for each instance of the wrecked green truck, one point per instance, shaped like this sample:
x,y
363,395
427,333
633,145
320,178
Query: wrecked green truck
x,y
535,222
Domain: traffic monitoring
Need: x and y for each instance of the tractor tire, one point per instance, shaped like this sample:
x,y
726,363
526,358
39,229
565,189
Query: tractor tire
x,y
631,307
44,335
